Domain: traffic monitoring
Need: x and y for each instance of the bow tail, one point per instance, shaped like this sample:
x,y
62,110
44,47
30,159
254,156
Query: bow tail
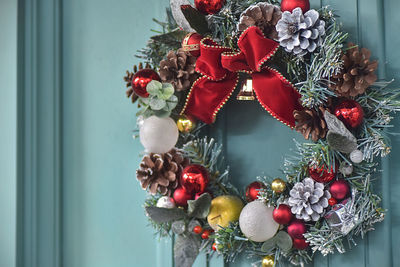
x,y
277,95
207,97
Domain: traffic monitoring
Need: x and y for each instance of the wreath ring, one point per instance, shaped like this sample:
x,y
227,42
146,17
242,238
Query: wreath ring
x,y
294,61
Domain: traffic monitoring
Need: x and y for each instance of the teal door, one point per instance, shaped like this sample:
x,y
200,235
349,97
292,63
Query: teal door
x,y
79,202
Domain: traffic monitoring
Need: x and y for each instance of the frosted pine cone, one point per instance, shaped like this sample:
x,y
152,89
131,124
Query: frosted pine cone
x,y
308,199
263,15
300,33
160,172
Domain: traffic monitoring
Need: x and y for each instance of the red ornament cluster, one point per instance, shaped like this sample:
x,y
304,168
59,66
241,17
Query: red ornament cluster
x,y
252,191
205,234
282,214
321,174
191,43
209,7
289,5
141,79
193,182
350,113
339,189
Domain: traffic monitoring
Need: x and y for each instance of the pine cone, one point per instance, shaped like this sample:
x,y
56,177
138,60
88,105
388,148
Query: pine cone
x,y
311,122
263,15
358,73
160,172
128,79
179,69
300,33
308,199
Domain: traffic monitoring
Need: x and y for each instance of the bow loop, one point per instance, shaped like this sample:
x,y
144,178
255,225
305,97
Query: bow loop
x,y
256,48
209,63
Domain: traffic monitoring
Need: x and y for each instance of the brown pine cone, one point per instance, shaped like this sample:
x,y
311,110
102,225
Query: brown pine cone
x,y
311,122
263,15
128,79
160,172
358,73
179,69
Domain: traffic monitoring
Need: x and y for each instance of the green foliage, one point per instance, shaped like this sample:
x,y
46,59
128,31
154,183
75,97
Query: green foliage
x,y
168,38
196,19
230,241
207,153
161,101
200,207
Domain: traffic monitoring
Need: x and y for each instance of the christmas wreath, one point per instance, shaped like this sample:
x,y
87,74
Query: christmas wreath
x,y
295,61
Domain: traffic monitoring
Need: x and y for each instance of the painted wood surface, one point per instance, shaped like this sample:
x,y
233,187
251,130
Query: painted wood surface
x,y
82,206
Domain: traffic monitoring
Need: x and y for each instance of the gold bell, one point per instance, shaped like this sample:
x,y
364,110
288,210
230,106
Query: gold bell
x,y
246,93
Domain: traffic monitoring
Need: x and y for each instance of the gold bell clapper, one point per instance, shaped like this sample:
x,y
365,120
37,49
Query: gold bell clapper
x,y
246,92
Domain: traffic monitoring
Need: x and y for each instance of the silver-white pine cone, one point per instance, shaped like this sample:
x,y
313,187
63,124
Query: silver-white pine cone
x,y
308,200
300,33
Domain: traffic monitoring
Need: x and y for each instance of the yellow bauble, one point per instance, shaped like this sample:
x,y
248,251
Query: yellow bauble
x,y
268,261
185,125
224,209
278,185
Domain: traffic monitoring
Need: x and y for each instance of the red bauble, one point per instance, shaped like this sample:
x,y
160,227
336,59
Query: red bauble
x,y
214,246
321,174
141,79
206,234
296,229
252,191
289,5
191,43
300,243
282,214
332,201
350,113
181,196
339,189
194,178
197,229
209,6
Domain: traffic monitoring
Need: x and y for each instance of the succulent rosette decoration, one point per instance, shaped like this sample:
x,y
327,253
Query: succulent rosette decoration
x,y
329,93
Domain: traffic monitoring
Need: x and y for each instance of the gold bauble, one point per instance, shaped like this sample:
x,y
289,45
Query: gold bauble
x,y
185,125
278,185
268,261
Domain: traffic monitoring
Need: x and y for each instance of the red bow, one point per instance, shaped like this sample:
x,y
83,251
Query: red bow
x,y
219,67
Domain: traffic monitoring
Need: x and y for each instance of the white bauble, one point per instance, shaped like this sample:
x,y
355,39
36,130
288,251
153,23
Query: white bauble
x,y
356,156
256,222
166,202
158,135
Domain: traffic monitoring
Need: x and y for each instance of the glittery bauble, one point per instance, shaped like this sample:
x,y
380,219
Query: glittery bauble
x,y
321,174
166,202
300,243
158,135
141,79
209,6
252,191
191,43
181,196
296,229
194,178
282,214
350,113
256,221
185,125
268,261
339,189
278,185
289,5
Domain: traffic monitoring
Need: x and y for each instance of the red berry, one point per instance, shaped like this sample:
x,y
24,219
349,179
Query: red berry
x,y
214,246
300,243
332,201
206,234
197,229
